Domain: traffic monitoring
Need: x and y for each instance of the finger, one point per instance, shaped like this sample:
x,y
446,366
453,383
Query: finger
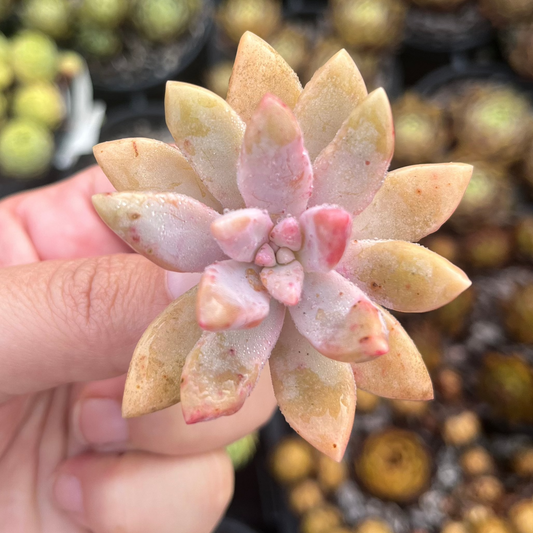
x,y
97,422
56,222
68,321
138,492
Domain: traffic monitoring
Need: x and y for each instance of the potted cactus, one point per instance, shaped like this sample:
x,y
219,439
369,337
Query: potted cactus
x,y
281,199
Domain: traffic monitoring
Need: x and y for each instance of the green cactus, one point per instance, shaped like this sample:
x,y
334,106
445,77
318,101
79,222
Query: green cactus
x,y
41,102
105,13
161,20
26,148
34,57
52,17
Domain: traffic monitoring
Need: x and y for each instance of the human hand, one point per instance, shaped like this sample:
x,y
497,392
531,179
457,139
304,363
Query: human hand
x,y
73,304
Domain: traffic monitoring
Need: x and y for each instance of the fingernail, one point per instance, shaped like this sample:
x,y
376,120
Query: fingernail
x,y
100,421
68,493
179,283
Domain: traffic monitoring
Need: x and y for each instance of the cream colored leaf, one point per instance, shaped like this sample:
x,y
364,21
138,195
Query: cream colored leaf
x,y
413,202
154,376
351,169
258,70
209,134
327,100
401,373
315,394
139,164
402,276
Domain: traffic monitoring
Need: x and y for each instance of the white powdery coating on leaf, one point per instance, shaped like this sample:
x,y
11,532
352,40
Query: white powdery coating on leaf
x,y
231,296
351,169
413,202
170,229
241,233
315,394
338,319
223,368
209,134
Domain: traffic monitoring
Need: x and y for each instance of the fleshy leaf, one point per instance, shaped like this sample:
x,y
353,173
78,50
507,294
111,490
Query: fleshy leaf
x,y
274,170
400,374
287,234
209,134
402,276
231,296
284,282
326,230
222,368
327,100
153,381
315,394
258,70
170,229
351,169
413,202
265,256
338,319
241,233
139,164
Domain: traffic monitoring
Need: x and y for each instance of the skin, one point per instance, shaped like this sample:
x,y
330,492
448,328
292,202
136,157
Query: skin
x,y
74,303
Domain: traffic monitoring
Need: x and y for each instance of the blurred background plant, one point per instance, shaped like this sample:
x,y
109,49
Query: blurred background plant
x,y
460,76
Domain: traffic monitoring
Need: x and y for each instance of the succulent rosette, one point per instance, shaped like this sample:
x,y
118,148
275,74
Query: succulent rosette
x,y
280,197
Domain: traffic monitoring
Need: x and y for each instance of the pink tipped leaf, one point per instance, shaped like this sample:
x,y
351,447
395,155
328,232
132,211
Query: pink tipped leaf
x,y
222,368
326,230
274,171
265,256
284,282
327,100
351,169
241,233
413,202
402,276
153,381
231,296
170,229
400,374
248,83
287,234
315,394
338,319
209,134
140,164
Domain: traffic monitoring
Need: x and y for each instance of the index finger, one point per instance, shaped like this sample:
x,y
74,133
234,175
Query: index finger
x,y
56,222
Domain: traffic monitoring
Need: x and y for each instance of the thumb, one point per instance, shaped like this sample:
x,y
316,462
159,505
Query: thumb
x,y
67,321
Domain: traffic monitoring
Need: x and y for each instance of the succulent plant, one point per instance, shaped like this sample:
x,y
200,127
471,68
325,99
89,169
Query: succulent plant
x,y
217,79
34,57
477,461
292,44
461,429
294,235
518,46
52,17
321,519
394,465
292,460
373,24
503,12
98,41
26,148
519,314
421,131
106,13
493,122
488,248
373,525
261,17
71,64
521,515
330,474
305,496
162,20
41,102
506,384
6,75
242,451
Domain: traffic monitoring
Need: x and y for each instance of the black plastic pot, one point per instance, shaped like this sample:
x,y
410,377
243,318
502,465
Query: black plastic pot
x,y
229,525
153,64
456,31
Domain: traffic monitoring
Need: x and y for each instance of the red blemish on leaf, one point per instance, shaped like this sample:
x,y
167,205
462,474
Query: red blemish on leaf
x,y
134,144
367,163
